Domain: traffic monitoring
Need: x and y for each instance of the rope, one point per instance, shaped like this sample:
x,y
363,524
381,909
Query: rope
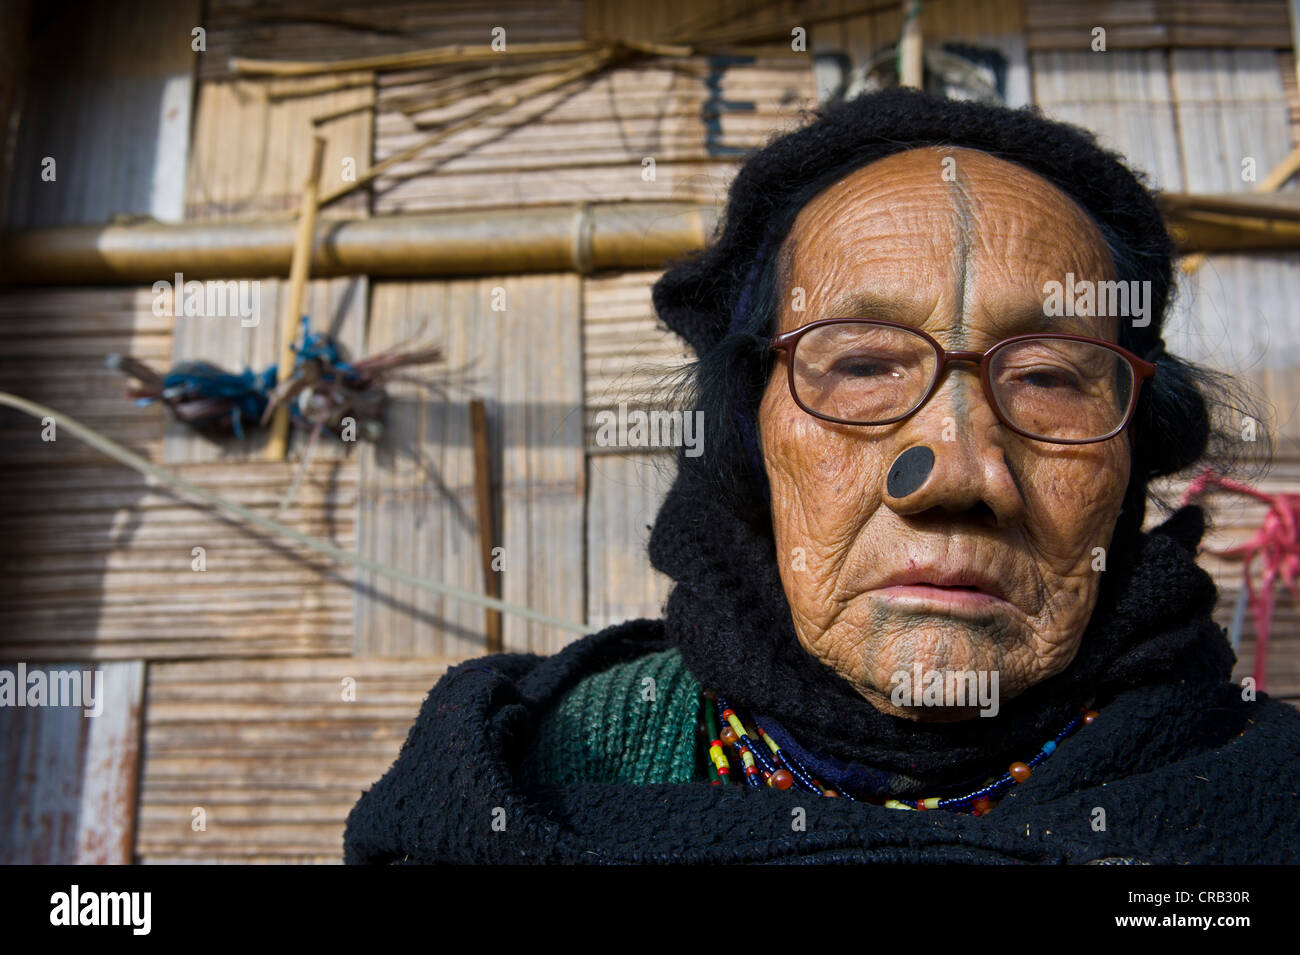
x,y
1277,543
132,460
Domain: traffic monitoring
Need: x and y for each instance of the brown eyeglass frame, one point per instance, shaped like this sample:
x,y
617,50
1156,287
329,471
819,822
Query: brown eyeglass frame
x,y
1142,370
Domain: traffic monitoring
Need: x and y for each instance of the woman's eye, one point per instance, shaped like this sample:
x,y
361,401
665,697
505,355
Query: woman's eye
x,y
861,370
865,367
1050,379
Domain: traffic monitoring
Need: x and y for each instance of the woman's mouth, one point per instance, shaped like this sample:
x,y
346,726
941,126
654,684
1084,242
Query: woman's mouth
x,y
954,599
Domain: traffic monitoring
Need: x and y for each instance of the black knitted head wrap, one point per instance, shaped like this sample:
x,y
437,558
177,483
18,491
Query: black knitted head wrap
x,y
723,301
728,613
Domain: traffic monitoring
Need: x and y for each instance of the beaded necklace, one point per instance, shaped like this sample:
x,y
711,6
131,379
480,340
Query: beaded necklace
x,y
777,768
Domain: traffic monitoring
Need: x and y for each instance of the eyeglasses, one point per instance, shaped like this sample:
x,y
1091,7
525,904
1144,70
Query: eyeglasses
x,y
1066,389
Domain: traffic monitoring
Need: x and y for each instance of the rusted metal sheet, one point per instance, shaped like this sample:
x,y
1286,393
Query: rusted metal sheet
x,y
69,792
116,125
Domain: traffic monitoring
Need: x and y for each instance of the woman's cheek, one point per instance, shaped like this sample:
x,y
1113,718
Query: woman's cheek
x,y
1073,504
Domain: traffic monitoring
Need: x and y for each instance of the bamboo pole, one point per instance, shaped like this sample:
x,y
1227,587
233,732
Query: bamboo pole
x,y
632,235
278,444
486,526
1211,232
620,235
1274,181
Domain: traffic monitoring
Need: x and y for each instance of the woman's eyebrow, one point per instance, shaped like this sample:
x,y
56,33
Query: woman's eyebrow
x,y
1022,319
864,304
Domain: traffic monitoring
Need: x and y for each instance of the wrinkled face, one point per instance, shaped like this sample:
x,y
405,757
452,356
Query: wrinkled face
x,y
965,261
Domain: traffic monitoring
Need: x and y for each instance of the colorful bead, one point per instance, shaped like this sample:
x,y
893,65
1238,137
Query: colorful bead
x,y
782,779
1019,771
719,759
1089,716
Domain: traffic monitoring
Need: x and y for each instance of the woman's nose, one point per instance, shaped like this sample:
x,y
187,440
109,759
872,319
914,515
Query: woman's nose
x,y
951,456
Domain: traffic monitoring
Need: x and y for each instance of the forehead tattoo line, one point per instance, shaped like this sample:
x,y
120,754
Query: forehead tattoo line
x,y
964,221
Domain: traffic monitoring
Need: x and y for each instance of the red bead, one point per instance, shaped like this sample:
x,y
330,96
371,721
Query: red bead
x,y
783,779
829,792
1019,772
728,736
982,806
1089,716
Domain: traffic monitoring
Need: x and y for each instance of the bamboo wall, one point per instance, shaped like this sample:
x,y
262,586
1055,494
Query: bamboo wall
x,y
231,730
1188,118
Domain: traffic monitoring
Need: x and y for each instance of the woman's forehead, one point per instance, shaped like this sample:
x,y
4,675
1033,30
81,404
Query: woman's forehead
x,y
939,229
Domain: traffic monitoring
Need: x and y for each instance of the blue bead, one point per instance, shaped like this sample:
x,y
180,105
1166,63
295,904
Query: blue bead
x,y
1049,747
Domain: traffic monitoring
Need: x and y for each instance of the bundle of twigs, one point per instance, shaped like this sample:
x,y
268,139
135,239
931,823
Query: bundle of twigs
x,y
324,392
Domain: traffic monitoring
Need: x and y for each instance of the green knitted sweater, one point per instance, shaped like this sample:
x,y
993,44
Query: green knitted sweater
x,y
634,722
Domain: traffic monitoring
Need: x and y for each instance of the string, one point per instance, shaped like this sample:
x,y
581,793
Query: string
x,y
130,459
1276,544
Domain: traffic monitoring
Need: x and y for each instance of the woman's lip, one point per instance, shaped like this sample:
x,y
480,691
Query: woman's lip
x,y
951,598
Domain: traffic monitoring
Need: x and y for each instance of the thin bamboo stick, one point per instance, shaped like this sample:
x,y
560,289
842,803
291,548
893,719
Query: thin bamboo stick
x,y
433,94
911,68
457,54
486,526
499,105
278,443
755,31
438,56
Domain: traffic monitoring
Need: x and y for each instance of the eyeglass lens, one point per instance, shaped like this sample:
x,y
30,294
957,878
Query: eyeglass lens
x,y
1055,389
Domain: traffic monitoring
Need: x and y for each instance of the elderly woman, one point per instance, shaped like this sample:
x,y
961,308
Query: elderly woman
x,y
915,617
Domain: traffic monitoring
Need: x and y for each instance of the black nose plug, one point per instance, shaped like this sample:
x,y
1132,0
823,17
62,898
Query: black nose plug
x,y
910,470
